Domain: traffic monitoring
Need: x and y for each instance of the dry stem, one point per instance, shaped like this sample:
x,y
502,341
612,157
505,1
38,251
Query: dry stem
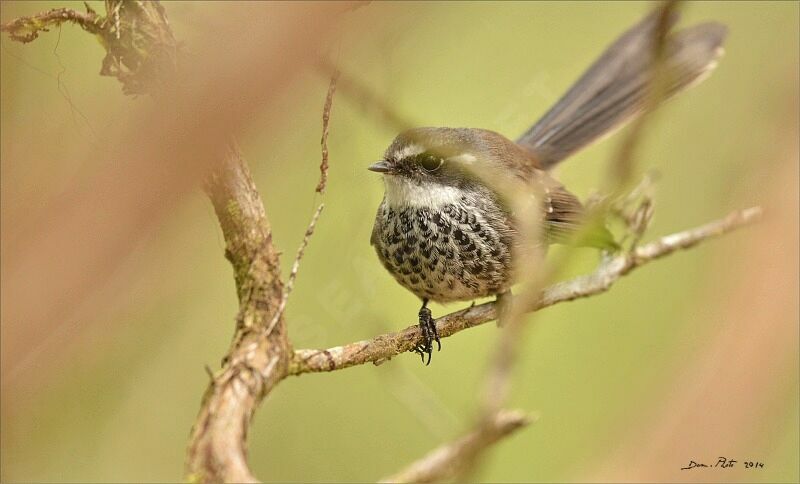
x,y
296,267
326,119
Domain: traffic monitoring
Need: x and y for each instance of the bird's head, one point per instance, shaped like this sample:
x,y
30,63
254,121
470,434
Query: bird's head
x,y
436,166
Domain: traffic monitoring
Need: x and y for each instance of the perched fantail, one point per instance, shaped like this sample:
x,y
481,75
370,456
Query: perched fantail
x,y
446,234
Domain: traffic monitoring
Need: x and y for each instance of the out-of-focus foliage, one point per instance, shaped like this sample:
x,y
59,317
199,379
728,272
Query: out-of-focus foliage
x,y
112,393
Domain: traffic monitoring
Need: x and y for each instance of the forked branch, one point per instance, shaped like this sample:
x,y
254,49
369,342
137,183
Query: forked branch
x,y
260,351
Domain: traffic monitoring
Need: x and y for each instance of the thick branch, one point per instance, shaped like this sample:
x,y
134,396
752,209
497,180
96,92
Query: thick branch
x,y
260,352
387,345
447,461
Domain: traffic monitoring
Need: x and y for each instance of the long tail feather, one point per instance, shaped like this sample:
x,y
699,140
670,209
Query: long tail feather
x,y
615,88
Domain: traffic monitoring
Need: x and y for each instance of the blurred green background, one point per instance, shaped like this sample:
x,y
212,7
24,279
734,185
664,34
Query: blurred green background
x,y
111,396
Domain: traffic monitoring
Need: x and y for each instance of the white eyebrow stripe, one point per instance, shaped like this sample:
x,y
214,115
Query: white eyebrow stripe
x,y
408,151
467,158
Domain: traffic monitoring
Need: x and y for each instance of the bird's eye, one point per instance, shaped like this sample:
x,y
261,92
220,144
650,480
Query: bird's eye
x,y
429,162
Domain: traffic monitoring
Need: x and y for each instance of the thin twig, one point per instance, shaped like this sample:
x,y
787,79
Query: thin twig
x,y
326,118
295,267
387,345
445,462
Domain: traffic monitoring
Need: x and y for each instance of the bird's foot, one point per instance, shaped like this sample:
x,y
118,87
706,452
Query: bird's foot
x,y
427,327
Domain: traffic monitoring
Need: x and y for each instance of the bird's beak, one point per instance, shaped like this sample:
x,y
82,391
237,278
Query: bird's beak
x,y
382,166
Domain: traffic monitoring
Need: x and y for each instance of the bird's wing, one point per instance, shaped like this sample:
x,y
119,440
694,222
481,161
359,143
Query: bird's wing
x,y
565,216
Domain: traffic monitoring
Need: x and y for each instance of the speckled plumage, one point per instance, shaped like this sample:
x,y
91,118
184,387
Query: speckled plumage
x,y
455,252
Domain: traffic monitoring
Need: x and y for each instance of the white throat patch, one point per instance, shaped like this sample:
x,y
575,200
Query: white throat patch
x,y
401,192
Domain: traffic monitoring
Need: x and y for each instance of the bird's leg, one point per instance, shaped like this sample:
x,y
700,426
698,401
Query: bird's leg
x,y
427,327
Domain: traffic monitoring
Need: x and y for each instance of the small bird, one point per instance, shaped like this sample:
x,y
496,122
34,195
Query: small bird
x,y
446,234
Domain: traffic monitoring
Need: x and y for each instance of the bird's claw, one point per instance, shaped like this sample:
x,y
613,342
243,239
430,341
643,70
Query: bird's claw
x,y
427,327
